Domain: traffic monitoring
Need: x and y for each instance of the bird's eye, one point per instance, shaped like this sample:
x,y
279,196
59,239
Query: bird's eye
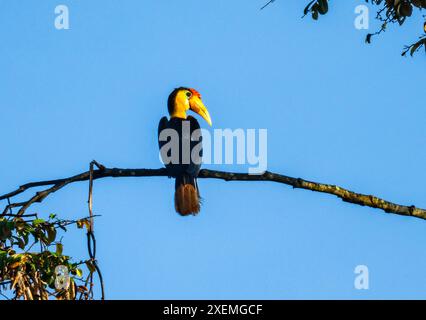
x,y
188,94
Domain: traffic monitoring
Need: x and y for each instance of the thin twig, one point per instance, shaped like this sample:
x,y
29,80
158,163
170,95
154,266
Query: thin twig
x,y
9,206
267,4
91,240
4,296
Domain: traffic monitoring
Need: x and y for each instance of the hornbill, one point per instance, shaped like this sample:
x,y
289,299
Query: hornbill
x,y
186,165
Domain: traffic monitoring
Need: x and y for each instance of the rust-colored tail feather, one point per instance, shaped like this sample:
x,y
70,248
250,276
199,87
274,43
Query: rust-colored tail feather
x,y
187,199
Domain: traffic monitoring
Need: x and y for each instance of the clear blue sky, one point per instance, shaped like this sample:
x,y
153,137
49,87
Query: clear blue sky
x,y
337,111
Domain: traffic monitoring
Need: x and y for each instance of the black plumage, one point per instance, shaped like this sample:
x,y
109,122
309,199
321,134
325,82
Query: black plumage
x,y
185,172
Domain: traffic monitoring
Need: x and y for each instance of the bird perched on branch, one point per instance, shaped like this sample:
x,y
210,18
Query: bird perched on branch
x,y
180,143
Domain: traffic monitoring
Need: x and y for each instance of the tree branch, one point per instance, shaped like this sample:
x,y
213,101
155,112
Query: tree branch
x,y
344,194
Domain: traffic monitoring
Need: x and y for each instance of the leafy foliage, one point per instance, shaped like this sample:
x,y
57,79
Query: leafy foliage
x,y
388,12
31,275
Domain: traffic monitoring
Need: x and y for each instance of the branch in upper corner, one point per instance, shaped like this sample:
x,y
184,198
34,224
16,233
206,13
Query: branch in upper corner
x,y
267,4
414,47
103,172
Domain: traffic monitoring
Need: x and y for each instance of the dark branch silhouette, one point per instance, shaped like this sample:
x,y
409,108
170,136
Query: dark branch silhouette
x,y
387,13
267,4
103,172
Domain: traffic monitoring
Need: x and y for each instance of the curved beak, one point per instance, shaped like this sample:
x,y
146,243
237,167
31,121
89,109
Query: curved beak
x,y
198,106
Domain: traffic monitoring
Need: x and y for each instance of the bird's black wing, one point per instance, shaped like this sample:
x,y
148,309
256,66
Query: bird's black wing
x,y
196,147
163,124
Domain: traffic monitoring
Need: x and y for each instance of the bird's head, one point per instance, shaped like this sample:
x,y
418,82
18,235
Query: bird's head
x,y
183,99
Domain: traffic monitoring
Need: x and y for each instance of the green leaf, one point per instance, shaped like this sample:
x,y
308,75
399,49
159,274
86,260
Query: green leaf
x,y
36,222
59,248
51,234
79,272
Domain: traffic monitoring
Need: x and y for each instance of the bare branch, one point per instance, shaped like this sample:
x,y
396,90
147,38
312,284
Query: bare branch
x,y
344,194
114,172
